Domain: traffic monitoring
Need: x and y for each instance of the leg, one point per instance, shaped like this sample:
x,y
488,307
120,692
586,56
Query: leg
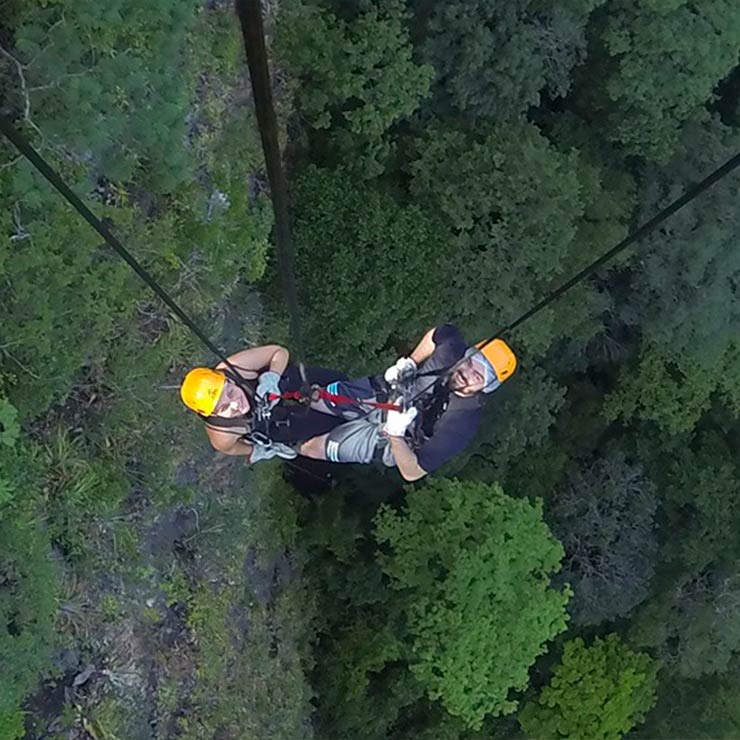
x,y
361,390
351,442
314,448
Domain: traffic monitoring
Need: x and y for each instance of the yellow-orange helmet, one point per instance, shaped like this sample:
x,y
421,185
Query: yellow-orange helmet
x,y
500,355
201,389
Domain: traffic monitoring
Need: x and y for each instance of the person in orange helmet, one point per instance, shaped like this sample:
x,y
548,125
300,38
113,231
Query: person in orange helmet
x,y
443,419
226,403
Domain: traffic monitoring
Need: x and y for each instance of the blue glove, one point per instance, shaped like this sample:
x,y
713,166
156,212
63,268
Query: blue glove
x,y
269,383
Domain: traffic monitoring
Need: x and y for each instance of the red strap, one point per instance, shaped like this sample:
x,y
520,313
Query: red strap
x,y
288,396
335,398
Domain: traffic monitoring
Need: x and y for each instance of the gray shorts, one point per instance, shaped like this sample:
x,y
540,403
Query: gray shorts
x,y
356,441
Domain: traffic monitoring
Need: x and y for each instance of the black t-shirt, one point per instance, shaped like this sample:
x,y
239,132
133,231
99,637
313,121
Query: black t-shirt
x,y
458,423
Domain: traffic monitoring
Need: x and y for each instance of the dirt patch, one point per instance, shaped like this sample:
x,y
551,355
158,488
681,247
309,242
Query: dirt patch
x,y
266,581
170,530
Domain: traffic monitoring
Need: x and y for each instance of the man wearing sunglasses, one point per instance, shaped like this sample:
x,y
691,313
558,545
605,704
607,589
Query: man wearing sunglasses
x,y
443,419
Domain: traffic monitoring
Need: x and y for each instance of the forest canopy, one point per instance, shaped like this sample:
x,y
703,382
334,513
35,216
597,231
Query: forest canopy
x,y
574,573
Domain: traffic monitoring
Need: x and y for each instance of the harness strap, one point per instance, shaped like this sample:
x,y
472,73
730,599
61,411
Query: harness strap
x,y
320,393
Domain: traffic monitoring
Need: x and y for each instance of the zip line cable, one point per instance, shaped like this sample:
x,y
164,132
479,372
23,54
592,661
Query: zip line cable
x,y
250,19
53,177
690,194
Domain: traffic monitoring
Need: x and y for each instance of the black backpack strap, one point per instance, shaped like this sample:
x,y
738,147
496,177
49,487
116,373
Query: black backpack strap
x,y
227,425
431,408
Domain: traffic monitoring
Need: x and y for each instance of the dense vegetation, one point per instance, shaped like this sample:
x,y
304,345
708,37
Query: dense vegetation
x,y
575,574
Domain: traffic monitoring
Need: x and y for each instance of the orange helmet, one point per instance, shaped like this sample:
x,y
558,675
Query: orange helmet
x,y
501,357
201,389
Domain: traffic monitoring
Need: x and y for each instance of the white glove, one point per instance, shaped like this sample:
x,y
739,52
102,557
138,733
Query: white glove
x,y
399,421
269,382
405,367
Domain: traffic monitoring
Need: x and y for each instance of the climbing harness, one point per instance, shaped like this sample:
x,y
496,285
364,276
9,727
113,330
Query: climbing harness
x,y
324,395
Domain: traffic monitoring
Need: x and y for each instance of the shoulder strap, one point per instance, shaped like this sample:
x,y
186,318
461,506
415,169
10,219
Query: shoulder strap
x,y
220,422
432,407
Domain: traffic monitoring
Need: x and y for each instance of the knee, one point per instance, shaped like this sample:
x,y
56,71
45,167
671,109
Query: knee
x,y
314,447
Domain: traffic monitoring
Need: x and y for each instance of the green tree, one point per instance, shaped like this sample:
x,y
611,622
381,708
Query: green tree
x,y
361,677
691,622
604,517
9,432
700,501
90,296
513,205
356,77
97,81
49,334
495,59
597,693
688,620
517,419
27,608
472,569
654,65
370,269
367,687
28,579
662,386
705,708
682,298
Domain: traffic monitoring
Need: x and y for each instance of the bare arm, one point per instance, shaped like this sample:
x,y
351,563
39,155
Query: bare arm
x,y
257,359
424,349
406,460
228,444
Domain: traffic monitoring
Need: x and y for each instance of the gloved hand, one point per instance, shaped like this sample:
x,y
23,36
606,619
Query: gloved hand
x,y
404,368
269,382
398,422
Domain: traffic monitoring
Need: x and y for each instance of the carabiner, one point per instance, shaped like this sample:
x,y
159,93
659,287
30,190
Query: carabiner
x,y
259,438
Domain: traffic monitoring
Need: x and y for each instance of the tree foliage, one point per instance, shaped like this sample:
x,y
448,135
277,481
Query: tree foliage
x,y
217,601
597,693
356,76
472,567
483,185
684,299
706,708
27,608
701,505
604,516
690,623
688,619
661,63
494,60
46,345
517,422
372,269
99,83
